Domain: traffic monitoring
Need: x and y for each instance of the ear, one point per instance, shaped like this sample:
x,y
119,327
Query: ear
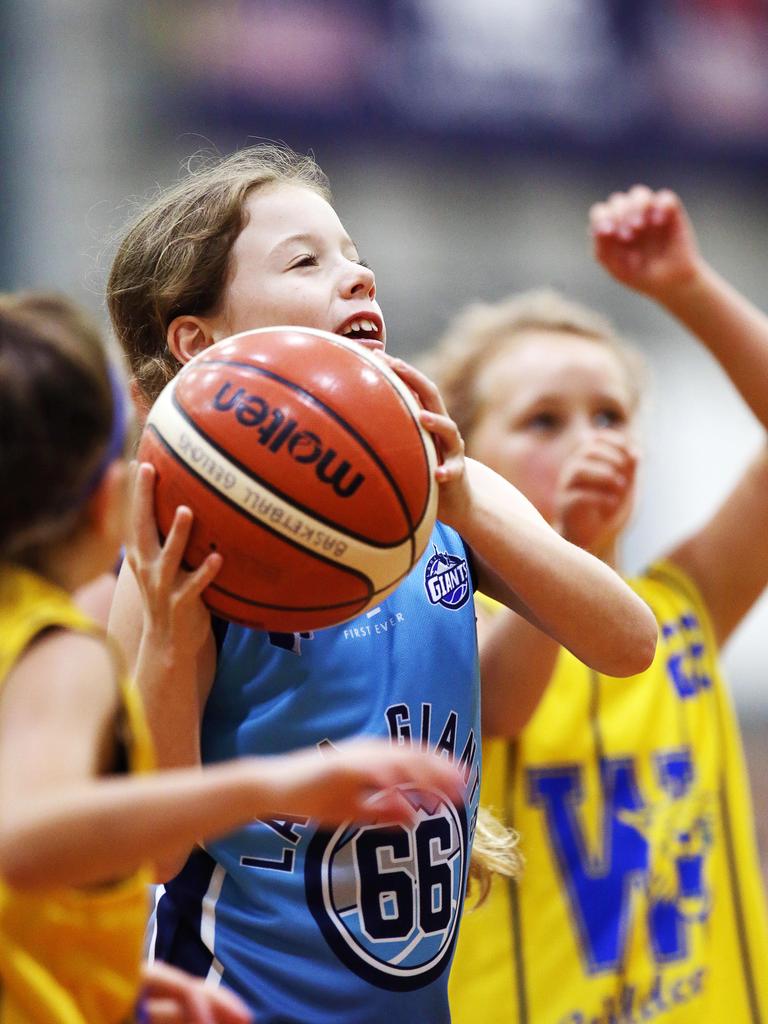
x,y
188,335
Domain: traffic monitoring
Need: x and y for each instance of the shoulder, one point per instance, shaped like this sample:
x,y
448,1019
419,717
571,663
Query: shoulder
x,y
444,534
671,592
687,654
445,540
61,703
64,668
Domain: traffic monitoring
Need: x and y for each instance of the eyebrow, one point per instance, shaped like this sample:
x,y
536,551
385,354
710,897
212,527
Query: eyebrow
x,y
292,238
309,239
556,398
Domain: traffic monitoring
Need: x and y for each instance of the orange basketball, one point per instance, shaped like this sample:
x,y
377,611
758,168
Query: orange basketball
x,y
305,465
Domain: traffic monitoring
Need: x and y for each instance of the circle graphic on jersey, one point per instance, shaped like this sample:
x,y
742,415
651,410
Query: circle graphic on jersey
x,y
446,578
388,898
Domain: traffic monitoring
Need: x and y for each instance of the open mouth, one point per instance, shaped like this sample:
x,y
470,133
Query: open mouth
x,y
363,329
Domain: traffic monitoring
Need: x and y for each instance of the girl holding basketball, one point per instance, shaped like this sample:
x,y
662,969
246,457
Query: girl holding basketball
x,y
357,924
642,899
79,823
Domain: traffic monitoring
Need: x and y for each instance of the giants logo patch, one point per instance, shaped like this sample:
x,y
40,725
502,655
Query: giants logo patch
x,y
446,579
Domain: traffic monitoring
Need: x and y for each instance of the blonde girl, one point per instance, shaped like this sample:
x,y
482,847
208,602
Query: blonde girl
x,y
642,898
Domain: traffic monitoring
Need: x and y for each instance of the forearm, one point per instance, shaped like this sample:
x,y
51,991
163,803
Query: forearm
x,y
645,241
87,831
579,602
574,597
727,557
160,620
167,678
516,663
102,830
732,328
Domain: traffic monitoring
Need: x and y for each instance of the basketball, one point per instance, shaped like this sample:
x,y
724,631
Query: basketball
x,y
304,463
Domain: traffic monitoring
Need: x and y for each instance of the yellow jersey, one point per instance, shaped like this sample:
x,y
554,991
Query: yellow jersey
x,y
68,956
641,898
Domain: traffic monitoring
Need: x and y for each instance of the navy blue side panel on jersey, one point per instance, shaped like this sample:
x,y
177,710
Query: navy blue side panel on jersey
x,y
470,555
179,917
357,924
219,627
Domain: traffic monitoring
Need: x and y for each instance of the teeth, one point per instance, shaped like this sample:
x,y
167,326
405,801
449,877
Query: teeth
x,y
360,325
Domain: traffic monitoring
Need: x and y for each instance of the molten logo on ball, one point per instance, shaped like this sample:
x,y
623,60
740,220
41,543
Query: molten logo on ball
x,y
275,431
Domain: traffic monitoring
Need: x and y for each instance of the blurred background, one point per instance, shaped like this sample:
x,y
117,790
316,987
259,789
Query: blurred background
x,y
465,142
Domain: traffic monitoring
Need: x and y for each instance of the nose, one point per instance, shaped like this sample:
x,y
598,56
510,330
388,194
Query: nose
x,y
359,281
582,432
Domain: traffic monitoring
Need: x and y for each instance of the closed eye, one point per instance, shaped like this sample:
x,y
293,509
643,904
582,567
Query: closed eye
x,y
308,259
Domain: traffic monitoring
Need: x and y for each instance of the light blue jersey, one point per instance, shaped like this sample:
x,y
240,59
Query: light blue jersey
x,y
357,925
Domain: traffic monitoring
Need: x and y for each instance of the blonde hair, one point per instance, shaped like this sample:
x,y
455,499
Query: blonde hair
x,y
174,258
476,335
494,852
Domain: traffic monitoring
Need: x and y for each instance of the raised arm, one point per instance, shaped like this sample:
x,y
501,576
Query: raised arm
x,y
644,240
516,663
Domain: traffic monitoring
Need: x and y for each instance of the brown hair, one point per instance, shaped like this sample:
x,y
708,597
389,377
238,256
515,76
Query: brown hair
x,y
56,415
174,258
477,334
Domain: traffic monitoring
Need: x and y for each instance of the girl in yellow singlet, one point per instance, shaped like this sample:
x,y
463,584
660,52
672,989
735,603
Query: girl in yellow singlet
x,y
641,899
77,819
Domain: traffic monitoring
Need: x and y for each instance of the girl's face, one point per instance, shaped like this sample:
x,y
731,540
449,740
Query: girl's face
x,y
546,397
293,263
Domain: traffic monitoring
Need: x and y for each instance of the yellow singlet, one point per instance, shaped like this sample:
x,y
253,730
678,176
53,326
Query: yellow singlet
x,y
641,898
67,956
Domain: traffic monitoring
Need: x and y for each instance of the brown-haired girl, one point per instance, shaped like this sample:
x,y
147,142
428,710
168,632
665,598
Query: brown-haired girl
x,y
79,824
356,925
